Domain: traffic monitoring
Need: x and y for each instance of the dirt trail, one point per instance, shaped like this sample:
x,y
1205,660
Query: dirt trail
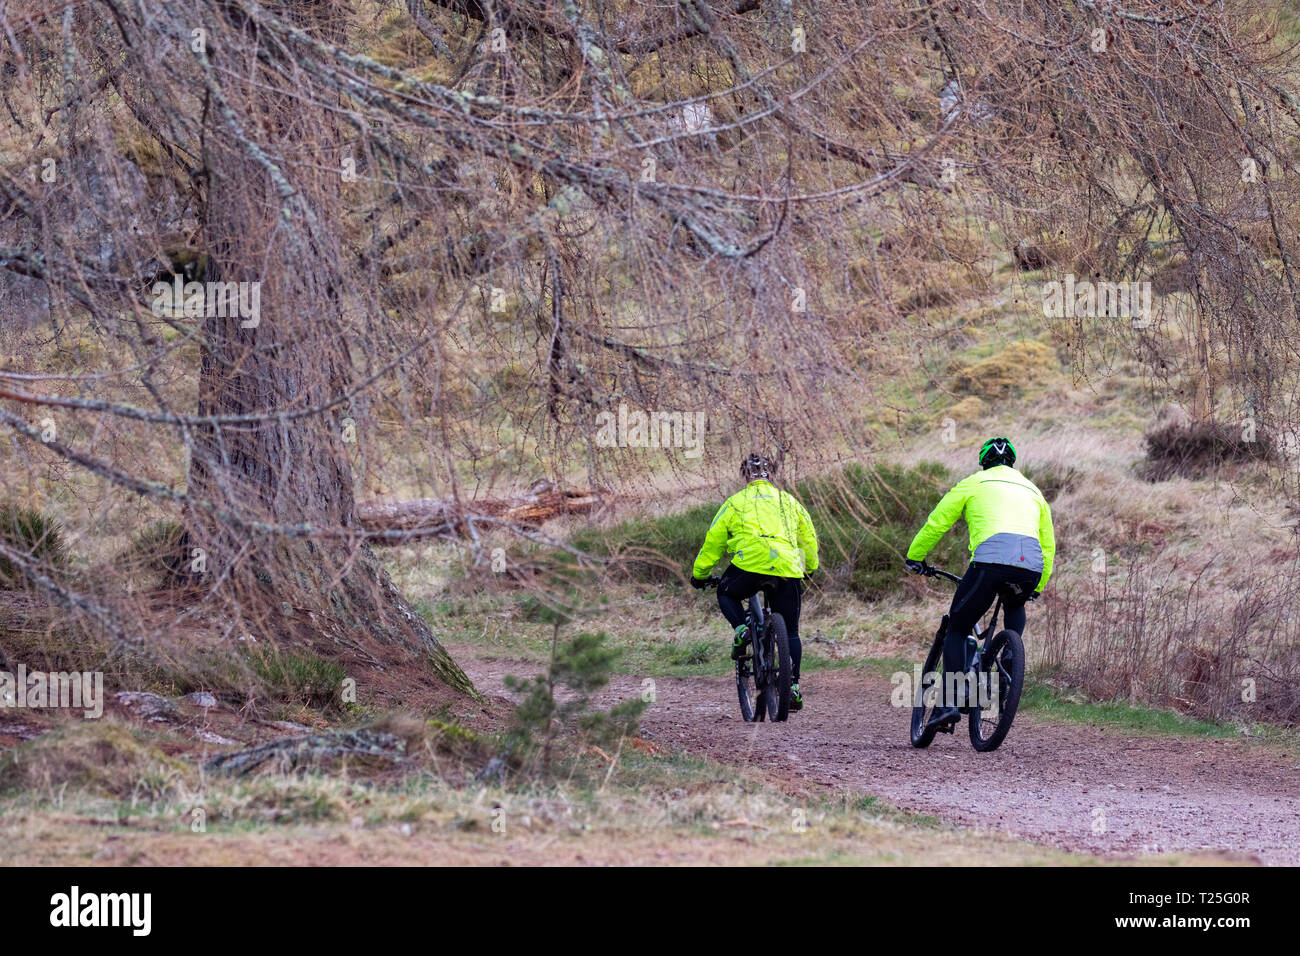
x,y
1071,786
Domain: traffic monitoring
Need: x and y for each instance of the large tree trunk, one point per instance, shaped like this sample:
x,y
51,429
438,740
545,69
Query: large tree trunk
x,y
278,520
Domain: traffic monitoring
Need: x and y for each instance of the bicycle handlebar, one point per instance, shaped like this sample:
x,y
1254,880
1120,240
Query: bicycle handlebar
x,y
932,572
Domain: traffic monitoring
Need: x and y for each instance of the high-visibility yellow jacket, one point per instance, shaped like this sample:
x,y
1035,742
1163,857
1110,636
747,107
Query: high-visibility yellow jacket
x,y
1008,517
765,530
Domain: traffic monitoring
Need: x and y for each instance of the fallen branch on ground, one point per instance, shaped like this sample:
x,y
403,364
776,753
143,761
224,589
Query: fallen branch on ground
x,y
311,750
443,517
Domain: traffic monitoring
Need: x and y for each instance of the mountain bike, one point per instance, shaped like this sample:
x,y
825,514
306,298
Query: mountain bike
x,y
764,669
995,671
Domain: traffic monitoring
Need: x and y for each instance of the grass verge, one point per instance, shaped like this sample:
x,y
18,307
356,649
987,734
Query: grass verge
x,y
635,805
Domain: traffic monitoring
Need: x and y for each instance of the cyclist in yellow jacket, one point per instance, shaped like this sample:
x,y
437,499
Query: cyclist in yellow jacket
x,y
1012,549
768,534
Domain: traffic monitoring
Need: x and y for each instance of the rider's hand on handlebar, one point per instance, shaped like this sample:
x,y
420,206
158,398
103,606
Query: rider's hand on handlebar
x,y
699,583
916,567
1035,596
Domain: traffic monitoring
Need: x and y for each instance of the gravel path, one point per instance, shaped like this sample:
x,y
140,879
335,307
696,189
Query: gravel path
x,y
1071,786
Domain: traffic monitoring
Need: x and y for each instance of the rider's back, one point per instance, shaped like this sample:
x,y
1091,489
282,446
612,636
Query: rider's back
x,y
1002,501
765,529
1008,518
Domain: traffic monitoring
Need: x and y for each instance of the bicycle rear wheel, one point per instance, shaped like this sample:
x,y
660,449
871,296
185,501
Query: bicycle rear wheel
x,y
776,692
1004,672
922,736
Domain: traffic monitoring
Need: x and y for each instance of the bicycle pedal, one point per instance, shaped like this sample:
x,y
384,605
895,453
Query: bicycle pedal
x,y
943,725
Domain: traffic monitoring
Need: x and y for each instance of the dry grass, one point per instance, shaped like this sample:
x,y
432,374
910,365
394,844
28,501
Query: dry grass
x,y
1155,639
1200,449
1022,363
98,758
1171,593
647,808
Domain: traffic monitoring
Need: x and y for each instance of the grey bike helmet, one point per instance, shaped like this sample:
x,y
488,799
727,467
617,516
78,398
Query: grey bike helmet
x,y
757,466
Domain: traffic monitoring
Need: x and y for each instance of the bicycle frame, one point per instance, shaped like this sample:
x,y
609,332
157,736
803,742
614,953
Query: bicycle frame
x,y
757,605
981,634
758,609
758,649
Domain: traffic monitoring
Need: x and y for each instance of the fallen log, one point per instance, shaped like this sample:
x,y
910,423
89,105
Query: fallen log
x,y
312,750
443,517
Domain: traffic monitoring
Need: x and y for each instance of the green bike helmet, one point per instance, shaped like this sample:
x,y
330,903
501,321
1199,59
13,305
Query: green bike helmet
x,y
997,451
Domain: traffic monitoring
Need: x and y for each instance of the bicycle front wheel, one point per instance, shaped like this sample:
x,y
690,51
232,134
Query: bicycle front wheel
x,y
1001,679
922,736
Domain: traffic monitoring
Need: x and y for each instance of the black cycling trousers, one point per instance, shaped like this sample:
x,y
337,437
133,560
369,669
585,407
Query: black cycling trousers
x,y
738,585
975,595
